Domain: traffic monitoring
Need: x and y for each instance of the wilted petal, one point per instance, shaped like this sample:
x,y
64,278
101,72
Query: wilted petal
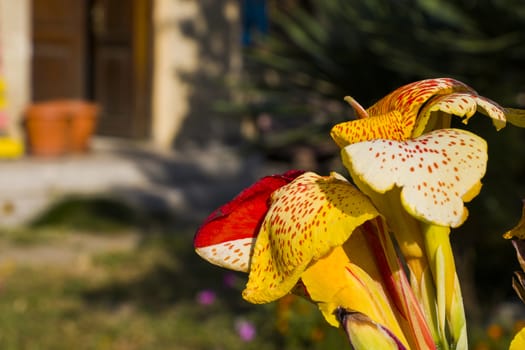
x,y
226,237
519,246
517,234
519,230
518,284
365,334
437,172
307,219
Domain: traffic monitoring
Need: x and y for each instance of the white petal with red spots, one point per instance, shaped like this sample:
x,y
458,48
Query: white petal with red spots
x,y
233,255
437,171
462,105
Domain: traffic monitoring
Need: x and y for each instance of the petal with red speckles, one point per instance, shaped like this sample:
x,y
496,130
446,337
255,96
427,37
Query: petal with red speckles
x,y
306,220
409,99
226,237
416,108
394,116
463,105
389,126
437,172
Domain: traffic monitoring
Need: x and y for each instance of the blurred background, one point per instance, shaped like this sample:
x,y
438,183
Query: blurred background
x,y
155,112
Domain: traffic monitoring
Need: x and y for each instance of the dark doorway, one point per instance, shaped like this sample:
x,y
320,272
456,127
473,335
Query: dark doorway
x,y
98,50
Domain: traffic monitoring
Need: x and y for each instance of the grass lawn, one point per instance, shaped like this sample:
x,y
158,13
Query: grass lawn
x,y
107,286
154,294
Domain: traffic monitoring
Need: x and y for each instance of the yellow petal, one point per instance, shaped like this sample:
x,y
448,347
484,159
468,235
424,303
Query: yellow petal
x,y
515,116
518,343
365,334
435,171
306,220
389,126
349,277
463,105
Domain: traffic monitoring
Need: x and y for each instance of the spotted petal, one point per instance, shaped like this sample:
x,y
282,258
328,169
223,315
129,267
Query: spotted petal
x,y
390,126
437,172
409,98
416,108
226,237
394,116
463,105
307,219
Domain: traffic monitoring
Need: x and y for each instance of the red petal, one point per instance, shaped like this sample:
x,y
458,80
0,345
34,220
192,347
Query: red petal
x,y
241,217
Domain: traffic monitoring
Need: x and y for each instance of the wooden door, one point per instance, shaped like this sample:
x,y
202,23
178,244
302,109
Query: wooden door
x,y
97,50
121,65
59,49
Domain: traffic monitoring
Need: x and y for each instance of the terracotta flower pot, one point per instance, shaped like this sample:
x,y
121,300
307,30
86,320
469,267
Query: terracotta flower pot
x,y
47,128
60,126
83,119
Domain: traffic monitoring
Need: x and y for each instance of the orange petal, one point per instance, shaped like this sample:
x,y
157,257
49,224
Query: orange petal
x,y
437,171
307,219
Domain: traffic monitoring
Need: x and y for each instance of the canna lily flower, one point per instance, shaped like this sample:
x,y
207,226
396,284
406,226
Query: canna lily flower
x,y
418,173
323,239
416,108
375,259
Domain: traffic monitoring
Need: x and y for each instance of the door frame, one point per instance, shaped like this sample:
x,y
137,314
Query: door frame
x,y
83,86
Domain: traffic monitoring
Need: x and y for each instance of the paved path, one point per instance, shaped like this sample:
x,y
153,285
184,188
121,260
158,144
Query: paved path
x,y
188,184
66,250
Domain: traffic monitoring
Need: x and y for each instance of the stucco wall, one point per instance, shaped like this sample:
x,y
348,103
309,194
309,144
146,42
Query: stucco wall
x,y
196,52
15,36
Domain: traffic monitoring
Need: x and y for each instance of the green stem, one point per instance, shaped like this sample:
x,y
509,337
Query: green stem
x,y
451,314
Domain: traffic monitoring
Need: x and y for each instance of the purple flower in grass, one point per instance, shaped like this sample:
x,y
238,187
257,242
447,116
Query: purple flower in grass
x,y
206,297
246,330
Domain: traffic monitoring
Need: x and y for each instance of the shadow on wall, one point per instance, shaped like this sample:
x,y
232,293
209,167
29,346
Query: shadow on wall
x,y
212,29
